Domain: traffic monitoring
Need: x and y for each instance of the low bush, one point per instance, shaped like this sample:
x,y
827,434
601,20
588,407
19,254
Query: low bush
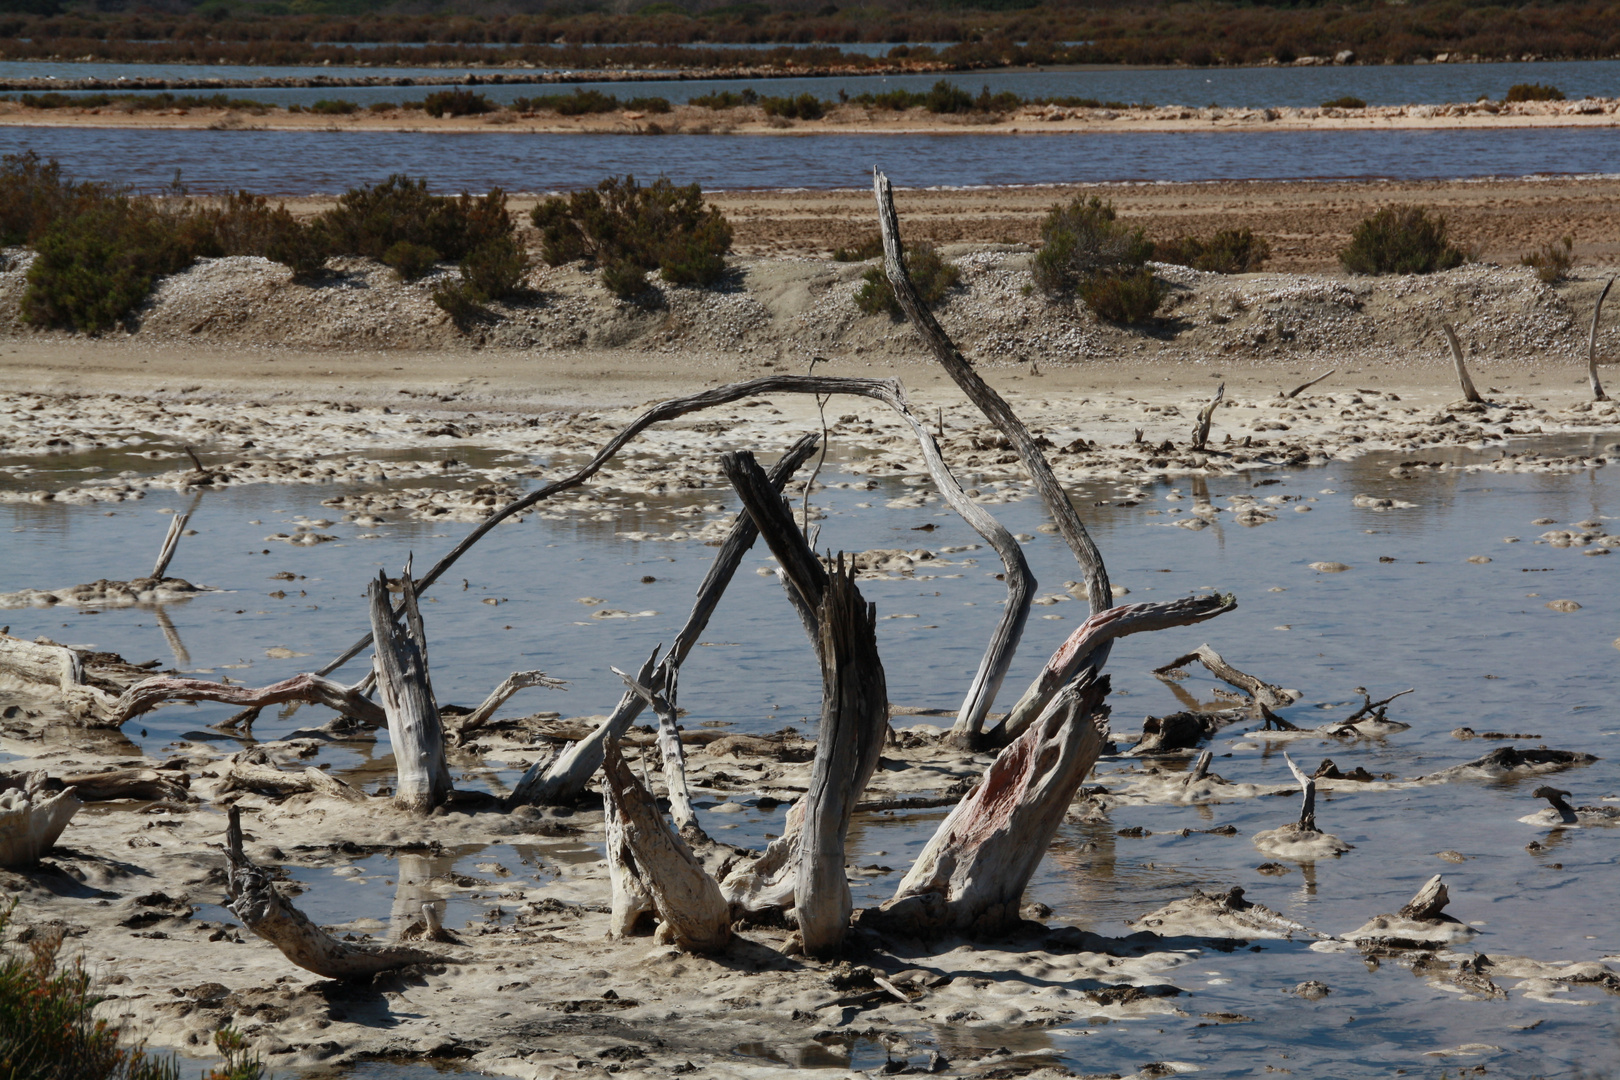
x,y
457,102
381,107
1533,92
726,99
1229,251
930,275
337,107
648,105
140,102
1401,240
803,107
871,247
96,265
1348,101
629,230
942,97
1552,260
373,219
33,194
47,1031
578,103
1129,296
409,260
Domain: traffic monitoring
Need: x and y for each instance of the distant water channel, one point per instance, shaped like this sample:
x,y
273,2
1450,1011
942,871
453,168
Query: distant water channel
x,y
310,162
1476,641
1394,84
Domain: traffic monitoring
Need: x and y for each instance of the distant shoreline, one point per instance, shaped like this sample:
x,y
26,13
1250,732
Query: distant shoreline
x,y
850,120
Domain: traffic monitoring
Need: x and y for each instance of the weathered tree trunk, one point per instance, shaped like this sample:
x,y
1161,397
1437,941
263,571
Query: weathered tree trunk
x,y
854,719
414,729
1467,384
1206,416
151,785
674,755
255,900
972,874
1591,346
255,771
56,673
767,883
171,542
147,695
1081,649
650,863
1068,522
1302,387
563,778
32,816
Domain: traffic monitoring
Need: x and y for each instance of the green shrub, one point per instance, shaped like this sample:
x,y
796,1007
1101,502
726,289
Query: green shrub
x,y
33,194
1229,251
725,99
946,97
1552,260
1348,101
95,266
371,220
460,303
1401,240
871,247
648,105
1533,92
930,275
803,107
381,106
1123,296
1083,239
457,102
335,108
47,1031
301,248
410,260
628,230
497,269
579,103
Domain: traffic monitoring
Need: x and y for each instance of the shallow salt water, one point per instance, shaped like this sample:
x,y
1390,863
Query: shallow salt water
x,y
1475,640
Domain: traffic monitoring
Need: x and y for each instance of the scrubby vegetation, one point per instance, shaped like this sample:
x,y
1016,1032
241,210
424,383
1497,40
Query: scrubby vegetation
x,y
870,247
158,102
629,230
984,33
1229,251
803,107
943,97
457,102
402,224
931,276
726,99
1086,251
1552,260
47,1031
586,102
1533,92
1348,101
1401,240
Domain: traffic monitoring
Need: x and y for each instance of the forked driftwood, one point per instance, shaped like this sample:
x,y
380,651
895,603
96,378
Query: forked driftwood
x,y
518,680
1468,391
1307,809
1302,387
254,770
401,661
1206,416
674,755
994,407
651,864
1081,650
254,898
1262,692
972,874
854,710
1376,709
145,696
561,779
1591,346
33,813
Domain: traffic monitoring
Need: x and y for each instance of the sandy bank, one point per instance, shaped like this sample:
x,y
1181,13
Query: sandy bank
x,y
858,120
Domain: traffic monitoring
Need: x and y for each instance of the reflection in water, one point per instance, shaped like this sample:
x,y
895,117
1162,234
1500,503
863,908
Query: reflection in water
x,y
182,658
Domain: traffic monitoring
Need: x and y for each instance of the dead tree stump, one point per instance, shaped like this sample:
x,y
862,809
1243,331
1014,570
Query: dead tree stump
x,y
414,728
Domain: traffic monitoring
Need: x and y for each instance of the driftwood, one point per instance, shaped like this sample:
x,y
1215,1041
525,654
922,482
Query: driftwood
x,y
1591,346
414,728
32,816
85,685
563,778
854,719
1301,839
1429,903
1081,649
972,874
767,883
1302,387
992,404
1206,415
349,700
651,865
1467,384
170,543
254,899
1272,697
518,680
1376,709
854,710
674,755
148,785
1182,731
255,771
